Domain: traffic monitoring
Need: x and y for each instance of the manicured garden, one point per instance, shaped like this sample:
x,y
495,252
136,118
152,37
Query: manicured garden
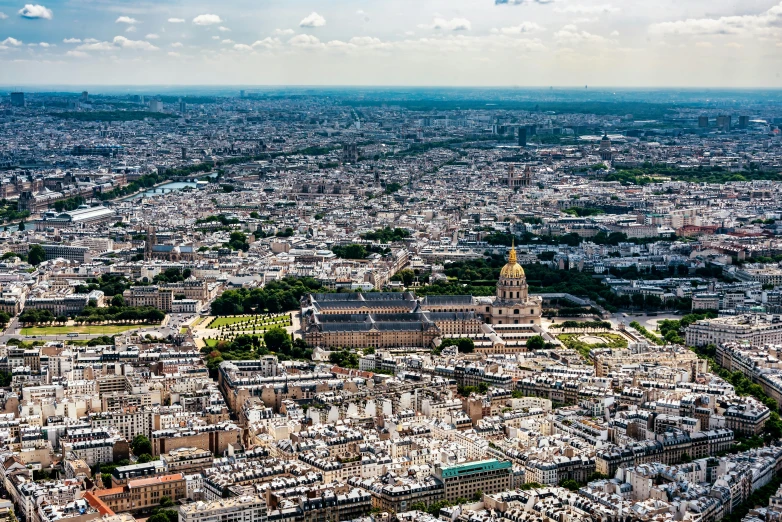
x,y
246,323
584,343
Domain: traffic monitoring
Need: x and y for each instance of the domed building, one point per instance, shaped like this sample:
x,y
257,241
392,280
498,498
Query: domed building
x,y
513,305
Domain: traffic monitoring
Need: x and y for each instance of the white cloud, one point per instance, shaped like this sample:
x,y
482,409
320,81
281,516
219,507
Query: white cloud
x,y
571,35
358,43
207,19
750,25
77,54
454,24
283,32
90,40
227,41
306,41
152,36
3,16
142,45
36,11
224,29
96,46
45,45
267,43
177,44
71,40
313,20
131,29
125,20
215,37
243,47
704,45
13,42
174,54
734,45
176,20
522,28
587,9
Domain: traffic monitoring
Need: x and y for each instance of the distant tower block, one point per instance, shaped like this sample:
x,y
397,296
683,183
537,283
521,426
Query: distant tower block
x,y
184,153
605,149
743,122
522,136
518,179
349,153
703,122
17,99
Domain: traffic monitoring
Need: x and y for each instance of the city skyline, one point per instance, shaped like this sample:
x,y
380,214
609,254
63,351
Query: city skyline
x,y
625,43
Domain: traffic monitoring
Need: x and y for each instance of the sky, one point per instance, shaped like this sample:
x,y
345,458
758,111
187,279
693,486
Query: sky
x,y
536,43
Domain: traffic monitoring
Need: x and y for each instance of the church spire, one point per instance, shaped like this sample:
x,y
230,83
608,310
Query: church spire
x,y
512,256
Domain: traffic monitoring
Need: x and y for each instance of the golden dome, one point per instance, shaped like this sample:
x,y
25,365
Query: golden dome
x,y
513,269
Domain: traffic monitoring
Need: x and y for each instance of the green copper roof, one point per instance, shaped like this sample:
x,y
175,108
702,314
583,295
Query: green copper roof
x,y
469,468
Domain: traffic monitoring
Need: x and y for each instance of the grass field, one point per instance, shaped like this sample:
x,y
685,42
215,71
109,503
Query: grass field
x,y
230,321
91,330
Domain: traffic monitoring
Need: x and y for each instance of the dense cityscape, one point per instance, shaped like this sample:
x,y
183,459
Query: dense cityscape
x,y
377,304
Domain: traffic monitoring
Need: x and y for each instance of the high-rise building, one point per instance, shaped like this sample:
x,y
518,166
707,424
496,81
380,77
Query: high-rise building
x,y
522,136
85,97
155,106
723,123
703,122
743,122
182,106
17,99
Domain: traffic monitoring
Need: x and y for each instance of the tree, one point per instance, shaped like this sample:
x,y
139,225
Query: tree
x,y
141,445
536,342
638,300
165,515
36,255
118,300
406,276
277,340
466,345
144,458
166,502
570,484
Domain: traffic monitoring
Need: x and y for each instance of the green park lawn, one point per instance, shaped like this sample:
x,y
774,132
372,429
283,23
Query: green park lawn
x,y
108,329
229,321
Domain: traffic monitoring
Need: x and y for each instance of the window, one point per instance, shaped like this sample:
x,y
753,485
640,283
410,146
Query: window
x,y
516,311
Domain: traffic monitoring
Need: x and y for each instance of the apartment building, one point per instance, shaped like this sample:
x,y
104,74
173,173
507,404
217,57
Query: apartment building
x,y
755,328
155,296
236,509
145,493
463,480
